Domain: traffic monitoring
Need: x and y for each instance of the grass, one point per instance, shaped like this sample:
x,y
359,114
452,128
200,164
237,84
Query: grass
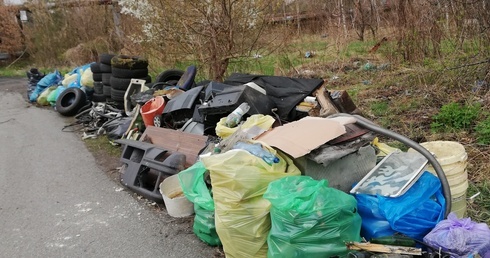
x,y
102,146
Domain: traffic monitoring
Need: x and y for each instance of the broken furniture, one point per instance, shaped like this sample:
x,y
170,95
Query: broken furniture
x,y
167,153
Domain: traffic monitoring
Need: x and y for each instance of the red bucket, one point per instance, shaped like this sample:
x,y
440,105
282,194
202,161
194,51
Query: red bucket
x,y
153,107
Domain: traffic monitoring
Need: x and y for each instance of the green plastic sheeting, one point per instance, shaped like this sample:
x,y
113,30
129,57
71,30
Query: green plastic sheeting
x,y
310,219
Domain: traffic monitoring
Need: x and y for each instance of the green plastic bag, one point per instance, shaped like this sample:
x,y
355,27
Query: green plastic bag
x,y
195,190
310,219
204,226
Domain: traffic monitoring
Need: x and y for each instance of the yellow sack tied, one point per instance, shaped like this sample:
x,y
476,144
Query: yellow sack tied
x,y
239,179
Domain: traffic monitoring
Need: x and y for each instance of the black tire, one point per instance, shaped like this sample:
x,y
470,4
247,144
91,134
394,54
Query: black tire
x,y
106,90
123,83
106,78
70,101
98,97
129,62
105,68
117,95
169,75
95,67
97,77
129,73
98,88
106,58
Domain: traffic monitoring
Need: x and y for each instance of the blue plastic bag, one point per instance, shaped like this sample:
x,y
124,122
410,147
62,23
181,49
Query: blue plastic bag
x,y
414,214
49,80
460,237
374,224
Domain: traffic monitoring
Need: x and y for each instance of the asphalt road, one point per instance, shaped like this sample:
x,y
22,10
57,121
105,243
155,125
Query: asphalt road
x,y
56,202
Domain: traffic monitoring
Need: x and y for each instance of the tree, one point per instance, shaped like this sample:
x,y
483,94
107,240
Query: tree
x,y
211,31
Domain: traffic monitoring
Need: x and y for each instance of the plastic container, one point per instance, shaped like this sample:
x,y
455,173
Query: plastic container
x,y
175,201
233,119
453,159
152,108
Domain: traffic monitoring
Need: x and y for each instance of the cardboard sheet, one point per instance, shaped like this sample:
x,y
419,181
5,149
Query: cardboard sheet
x,y
301,137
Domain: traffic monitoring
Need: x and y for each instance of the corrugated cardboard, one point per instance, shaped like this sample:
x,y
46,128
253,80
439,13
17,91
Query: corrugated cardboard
x,y
301,137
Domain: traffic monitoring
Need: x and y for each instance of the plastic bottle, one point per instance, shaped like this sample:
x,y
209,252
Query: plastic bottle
x,y
257,150
233,119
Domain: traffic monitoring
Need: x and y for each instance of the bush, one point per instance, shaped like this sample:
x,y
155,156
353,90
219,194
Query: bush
x,y
453,116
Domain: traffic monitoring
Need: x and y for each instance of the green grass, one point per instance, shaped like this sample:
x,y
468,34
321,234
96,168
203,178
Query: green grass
x,y
479,208
380,108
357,48
101,144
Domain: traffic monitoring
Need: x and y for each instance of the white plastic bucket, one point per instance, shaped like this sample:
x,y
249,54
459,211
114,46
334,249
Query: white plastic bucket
x,y
453,159
176,203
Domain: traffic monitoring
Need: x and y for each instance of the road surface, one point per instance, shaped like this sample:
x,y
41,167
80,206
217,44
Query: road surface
x,y
56,202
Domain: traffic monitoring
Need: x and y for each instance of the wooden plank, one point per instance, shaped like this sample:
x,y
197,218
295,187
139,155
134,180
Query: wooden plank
x,y
188,144
389,249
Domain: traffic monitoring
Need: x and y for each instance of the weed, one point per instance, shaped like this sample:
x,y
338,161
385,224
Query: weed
x,y
479,208
453,116
482,131
379,108
101,145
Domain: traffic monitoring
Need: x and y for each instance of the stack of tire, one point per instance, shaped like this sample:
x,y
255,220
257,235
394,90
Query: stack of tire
x,y
98,95
125,68
106,73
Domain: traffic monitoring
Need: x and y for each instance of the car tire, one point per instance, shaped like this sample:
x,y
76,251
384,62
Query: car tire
x,y
98,88
123,83
106,90
117,95
106,78
70,101
169,75
105,68
98,97
106,58
129,73
97,77
95,67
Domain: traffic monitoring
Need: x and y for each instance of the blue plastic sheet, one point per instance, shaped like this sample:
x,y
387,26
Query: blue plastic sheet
x,y
51,79
414,214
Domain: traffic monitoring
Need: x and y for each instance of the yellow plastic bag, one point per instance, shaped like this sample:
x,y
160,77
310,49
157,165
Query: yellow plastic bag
x,y
87,79
239,179
262,121
384,149
69,79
